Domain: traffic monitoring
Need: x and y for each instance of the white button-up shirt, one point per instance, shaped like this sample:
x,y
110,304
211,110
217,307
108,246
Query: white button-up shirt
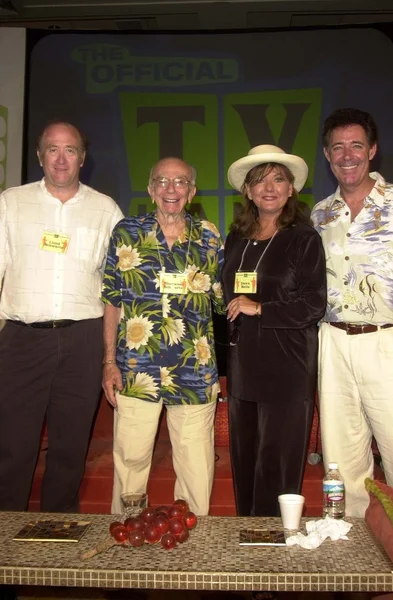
x,y
41,285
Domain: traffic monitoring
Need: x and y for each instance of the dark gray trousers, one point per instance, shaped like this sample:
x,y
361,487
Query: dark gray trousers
x,y
52,373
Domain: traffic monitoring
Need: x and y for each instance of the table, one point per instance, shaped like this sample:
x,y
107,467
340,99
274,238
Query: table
x,y
210,560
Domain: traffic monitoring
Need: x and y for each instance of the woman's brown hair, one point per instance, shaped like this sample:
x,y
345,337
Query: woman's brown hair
x,y
246,223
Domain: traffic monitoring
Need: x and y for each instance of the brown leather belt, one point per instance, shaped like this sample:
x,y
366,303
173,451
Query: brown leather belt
x,y
353,329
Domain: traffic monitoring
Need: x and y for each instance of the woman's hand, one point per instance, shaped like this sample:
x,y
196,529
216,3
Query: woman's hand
x,y
111,382
242,304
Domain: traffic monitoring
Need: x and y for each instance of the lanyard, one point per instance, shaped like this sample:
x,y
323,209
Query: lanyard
x,y
260,258
187,255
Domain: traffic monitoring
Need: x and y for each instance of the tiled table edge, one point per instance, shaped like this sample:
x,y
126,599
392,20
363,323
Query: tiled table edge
x,y
222,532
285,582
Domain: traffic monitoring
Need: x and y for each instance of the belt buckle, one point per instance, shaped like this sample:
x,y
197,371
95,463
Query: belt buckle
x,y
357,328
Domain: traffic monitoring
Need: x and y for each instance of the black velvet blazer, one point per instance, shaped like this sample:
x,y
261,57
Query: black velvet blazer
x,y
277,352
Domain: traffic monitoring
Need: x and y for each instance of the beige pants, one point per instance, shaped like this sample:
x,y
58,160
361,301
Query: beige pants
x,y
356,402
191,431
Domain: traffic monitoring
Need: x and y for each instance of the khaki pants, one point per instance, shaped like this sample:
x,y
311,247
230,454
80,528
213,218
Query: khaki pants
x,y
191,431
356,402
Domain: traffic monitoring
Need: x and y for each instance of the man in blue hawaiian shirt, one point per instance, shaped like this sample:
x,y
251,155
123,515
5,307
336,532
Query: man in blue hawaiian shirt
x,y
161,278
356,337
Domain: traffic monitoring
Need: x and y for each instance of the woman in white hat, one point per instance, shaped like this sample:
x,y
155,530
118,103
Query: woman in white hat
x,y
275,288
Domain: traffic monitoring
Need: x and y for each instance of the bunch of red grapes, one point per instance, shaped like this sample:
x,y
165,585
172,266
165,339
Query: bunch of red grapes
x,y
166,524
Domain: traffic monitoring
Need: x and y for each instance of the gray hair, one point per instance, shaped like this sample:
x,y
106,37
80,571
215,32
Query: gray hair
x,y
192,169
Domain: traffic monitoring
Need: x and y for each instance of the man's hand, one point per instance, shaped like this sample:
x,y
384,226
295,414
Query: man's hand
x,y
242,304
111,382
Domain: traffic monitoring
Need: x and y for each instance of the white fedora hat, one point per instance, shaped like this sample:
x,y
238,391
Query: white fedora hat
x,y
267,154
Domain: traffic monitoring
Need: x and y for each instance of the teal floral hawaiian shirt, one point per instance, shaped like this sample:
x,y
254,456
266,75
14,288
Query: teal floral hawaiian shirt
x,y
165,344
359,255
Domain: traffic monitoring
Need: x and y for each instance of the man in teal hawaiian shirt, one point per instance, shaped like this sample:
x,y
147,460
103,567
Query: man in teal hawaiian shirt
x,y
356,337
161,278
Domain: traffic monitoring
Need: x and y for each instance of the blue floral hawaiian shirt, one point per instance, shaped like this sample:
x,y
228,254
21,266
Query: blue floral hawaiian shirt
x,y
165,343
359,256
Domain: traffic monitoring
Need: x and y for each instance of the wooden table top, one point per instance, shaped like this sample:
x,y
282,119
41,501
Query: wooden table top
x,y
211,559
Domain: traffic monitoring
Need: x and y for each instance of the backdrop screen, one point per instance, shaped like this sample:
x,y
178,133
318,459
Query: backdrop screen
x,y
207,98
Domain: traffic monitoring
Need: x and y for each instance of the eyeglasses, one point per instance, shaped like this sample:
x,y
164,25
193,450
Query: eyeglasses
x,y
234,336
178,182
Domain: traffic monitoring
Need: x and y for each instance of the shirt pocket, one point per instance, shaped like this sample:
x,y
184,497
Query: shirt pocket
x,y
87,244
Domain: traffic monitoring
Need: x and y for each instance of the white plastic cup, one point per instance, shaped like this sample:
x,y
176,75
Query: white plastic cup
x,y
291,507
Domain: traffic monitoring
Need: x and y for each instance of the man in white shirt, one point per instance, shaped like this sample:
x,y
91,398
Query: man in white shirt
x,y
54,236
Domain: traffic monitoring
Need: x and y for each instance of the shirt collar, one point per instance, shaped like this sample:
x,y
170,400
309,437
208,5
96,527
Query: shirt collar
x,y
376,195
78,196
190,222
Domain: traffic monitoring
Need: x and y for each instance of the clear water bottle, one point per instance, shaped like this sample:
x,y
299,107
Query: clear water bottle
x,y
333,493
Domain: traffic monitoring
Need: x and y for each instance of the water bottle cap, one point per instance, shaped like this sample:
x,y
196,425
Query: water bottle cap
x,y
333,466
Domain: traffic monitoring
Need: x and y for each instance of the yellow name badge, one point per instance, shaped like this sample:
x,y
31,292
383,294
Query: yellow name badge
x,y
54,242
245,283
173,283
